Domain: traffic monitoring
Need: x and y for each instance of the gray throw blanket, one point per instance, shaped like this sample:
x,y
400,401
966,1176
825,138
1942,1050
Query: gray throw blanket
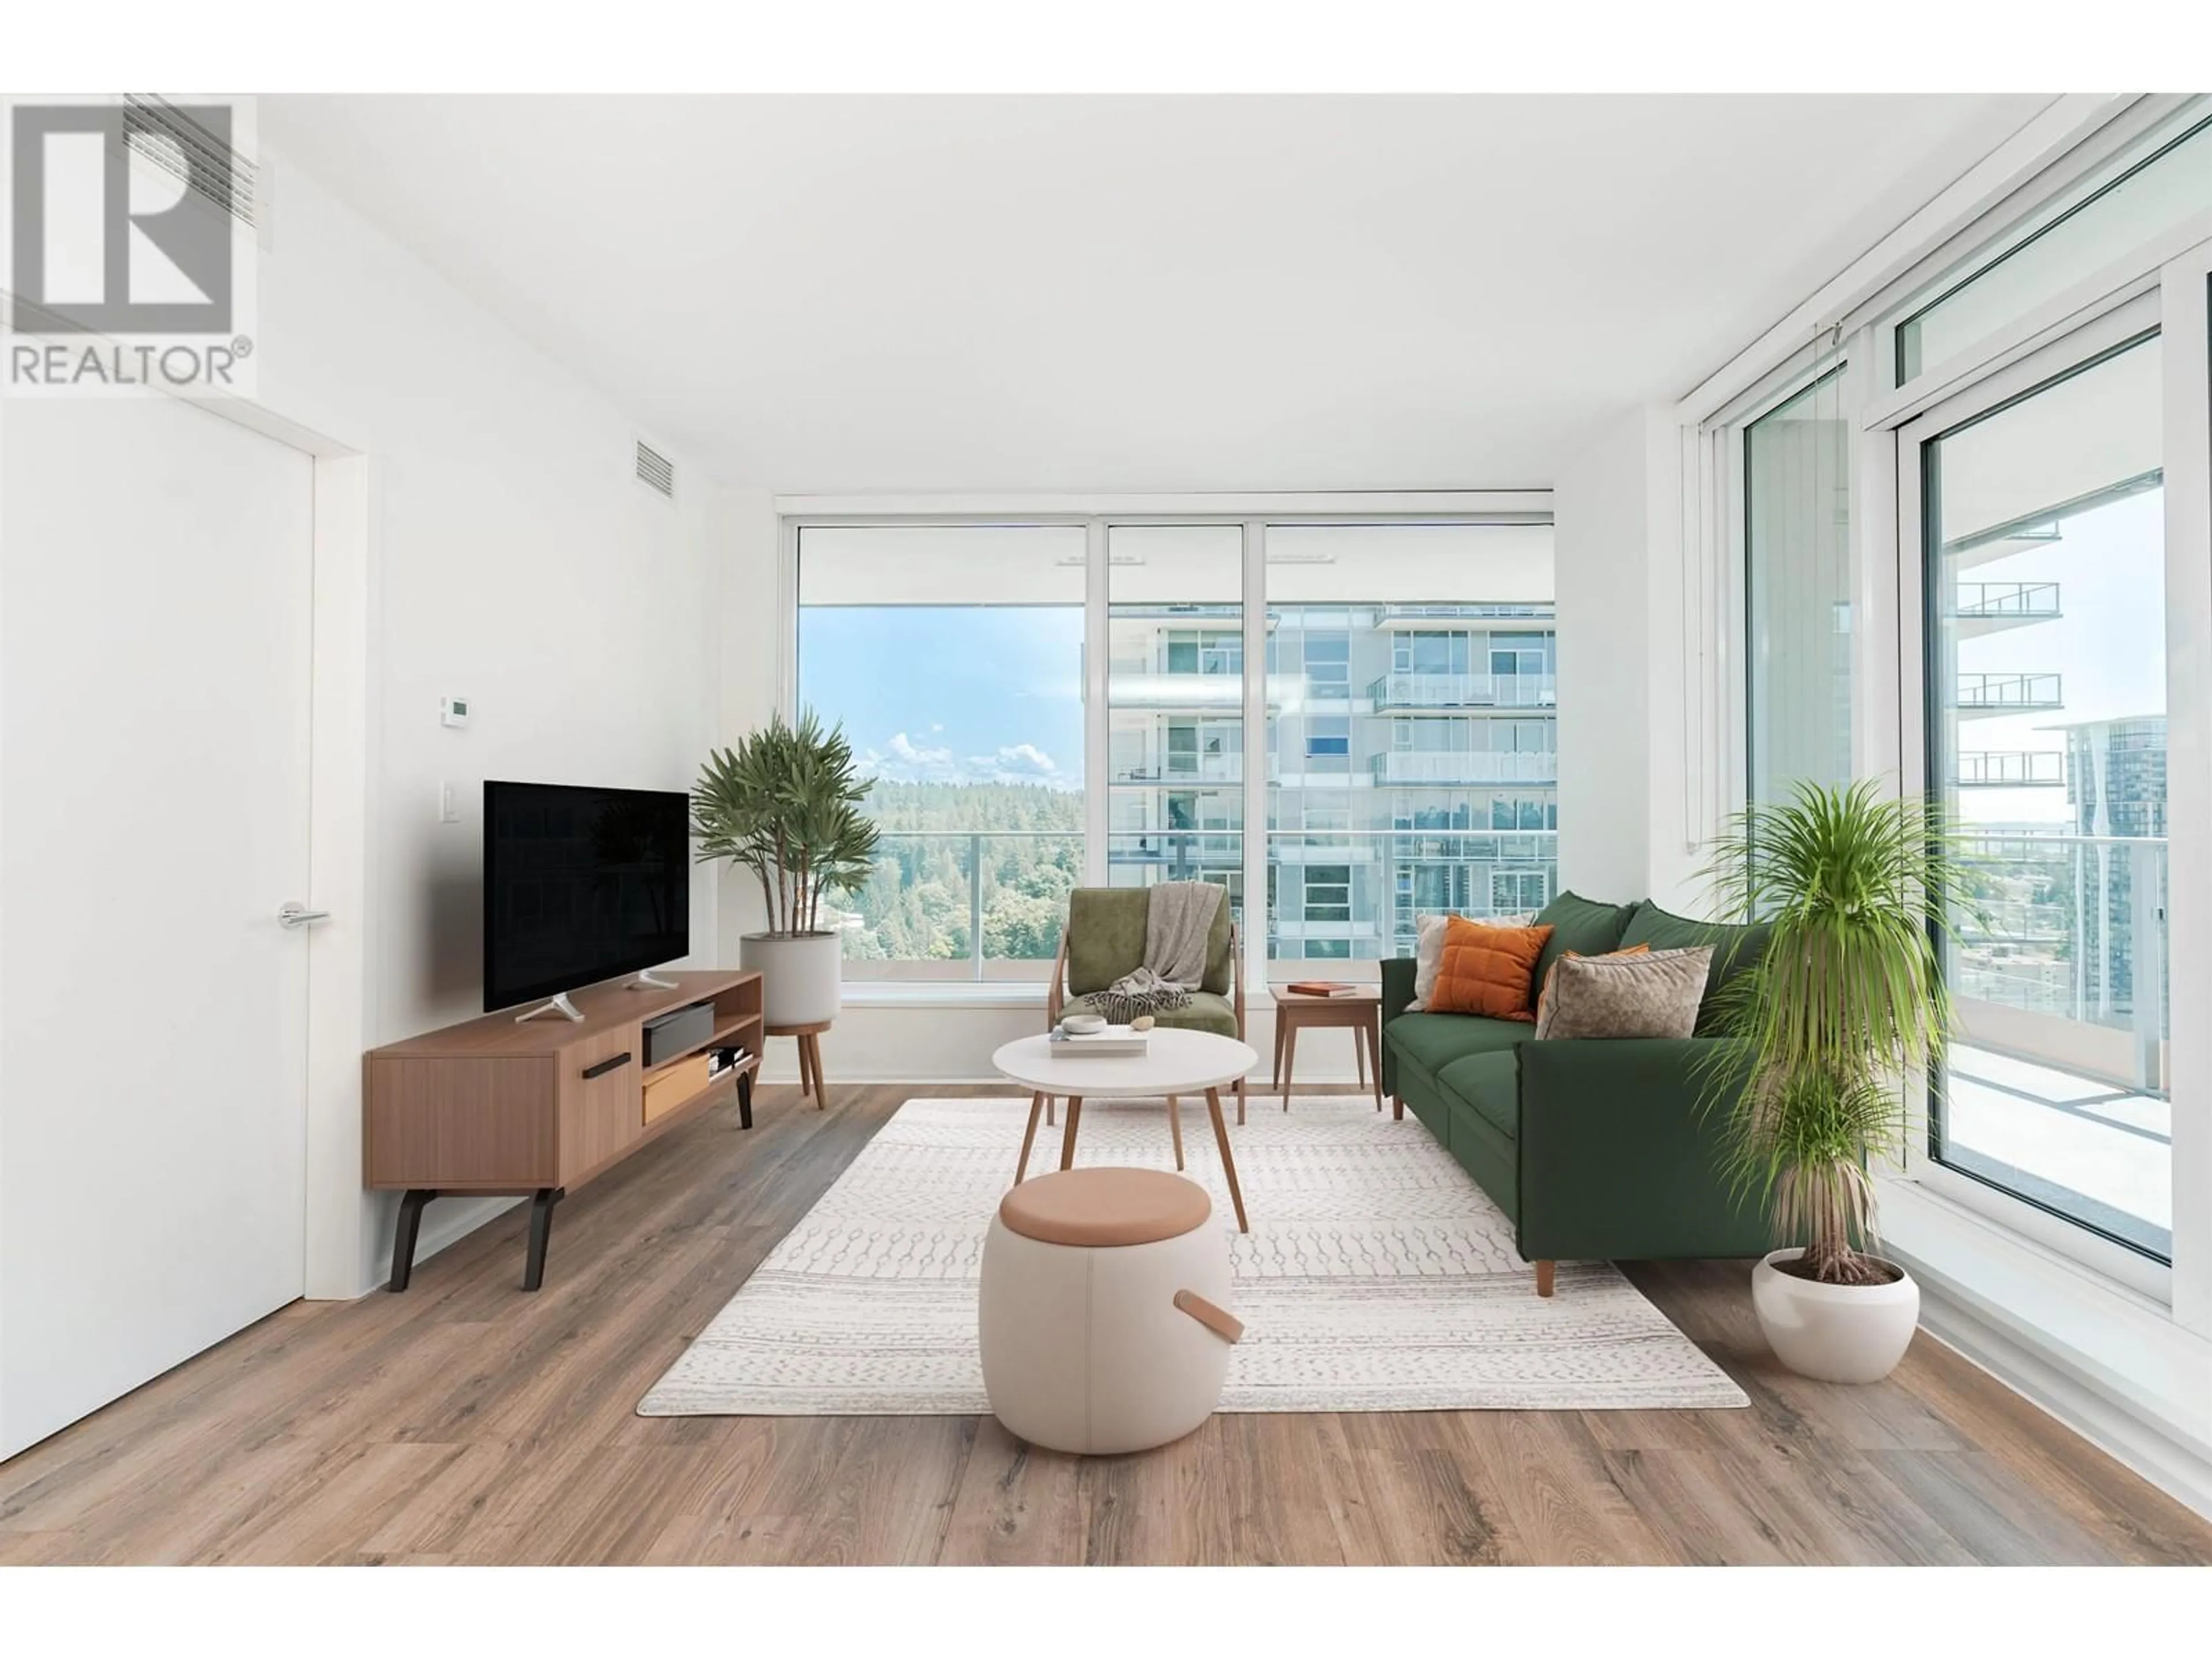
x,y
1178,922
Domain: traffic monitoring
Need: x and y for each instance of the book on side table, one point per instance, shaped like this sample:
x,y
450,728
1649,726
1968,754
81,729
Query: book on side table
x,y
1322,987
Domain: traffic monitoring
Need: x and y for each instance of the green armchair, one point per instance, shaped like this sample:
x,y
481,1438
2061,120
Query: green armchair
x,y
1105,938
1596,1149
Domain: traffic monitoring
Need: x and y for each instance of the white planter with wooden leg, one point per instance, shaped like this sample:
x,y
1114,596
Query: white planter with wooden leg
x,y
802,987
801,978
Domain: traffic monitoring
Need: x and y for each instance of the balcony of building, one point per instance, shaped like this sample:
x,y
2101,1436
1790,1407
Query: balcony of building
x,y
1178,854
1979,607
1326,846
1433,691
2011,768
1174,771
2008,694
1526,611
1471,766
1148,687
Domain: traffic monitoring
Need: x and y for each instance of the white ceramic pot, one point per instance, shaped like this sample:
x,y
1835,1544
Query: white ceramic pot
x,y
1835,1333
800,981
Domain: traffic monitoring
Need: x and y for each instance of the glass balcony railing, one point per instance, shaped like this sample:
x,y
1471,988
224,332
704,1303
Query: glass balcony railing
x,y
1173,770
2018,768
1418,690
1532,609
990,905
2012,601
2008,694
960,904
2076,938
1465,766
1150,688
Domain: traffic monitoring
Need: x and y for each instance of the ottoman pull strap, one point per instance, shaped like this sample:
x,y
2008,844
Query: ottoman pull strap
x,y
1219,1319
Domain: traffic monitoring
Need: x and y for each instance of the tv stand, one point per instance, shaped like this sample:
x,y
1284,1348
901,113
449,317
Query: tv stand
x,y
559,1004
496,1106
649,980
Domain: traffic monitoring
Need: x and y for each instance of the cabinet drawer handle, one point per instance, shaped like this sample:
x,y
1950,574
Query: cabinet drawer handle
x,y
614,1064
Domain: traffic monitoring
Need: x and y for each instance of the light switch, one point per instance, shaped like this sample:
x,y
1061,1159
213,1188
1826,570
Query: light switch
x,y
449,804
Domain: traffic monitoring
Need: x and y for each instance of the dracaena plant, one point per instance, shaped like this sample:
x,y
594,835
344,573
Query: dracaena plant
x,y
1845,1007
785,804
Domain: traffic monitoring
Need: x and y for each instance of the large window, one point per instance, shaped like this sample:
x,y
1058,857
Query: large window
x,y
1797,591
1411,751
1407,759
952,655
2047,626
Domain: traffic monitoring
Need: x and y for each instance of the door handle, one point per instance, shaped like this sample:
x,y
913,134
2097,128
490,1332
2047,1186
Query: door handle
x,y
293,914
613,1063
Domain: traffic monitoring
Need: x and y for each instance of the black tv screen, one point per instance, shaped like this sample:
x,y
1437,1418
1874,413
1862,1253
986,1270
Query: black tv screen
x,y
579,885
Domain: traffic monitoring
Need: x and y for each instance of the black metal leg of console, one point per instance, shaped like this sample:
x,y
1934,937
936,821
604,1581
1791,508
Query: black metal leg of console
x,y
403,1239
744,1100
541,1232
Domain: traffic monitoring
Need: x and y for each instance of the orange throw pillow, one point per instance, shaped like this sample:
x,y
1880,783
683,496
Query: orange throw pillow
x,y
1545,990
1487,970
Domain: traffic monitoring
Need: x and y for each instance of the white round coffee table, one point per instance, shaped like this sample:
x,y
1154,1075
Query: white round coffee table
x,y
1175,1063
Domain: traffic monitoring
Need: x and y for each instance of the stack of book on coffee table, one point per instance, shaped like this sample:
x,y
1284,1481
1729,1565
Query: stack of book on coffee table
x,y
1114,1040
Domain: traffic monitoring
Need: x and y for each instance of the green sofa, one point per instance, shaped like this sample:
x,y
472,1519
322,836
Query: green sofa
x,y
1595,1148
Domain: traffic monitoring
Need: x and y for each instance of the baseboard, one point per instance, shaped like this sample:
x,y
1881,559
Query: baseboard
x,y
2172,1465
445,1221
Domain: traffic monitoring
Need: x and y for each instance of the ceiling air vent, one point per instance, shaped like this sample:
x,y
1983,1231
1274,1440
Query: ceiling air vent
x,y
162,135
655,470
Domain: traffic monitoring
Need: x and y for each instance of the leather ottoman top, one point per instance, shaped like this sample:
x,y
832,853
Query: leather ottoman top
x,y
1101,1208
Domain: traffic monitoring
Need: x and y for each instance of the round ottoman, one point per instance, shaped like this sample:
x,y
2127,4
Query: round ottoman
x,y
1104,1310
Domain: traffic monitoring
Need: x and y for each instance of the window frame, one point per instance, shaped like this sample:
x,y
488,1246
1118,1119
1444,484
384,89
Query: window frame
x,y
2128,321
1099,516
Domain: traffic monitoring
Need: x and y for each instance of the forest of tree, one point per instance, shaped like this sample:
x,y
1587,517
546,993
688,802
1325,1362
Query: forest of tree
x,y
918,904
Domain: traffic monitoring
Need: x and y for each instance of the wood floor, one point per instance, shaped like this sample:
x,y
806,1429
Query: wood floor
x,y
465,1421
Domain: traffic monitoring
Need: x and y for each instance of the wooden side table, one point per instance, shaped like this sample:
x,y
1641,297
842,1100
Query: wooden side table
x,y
809,1058
1362,1012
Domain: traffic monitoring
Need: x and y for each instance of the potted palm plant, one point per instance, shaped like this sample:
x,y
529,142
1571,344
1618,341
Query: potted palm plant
x,y
785,804
1838,1020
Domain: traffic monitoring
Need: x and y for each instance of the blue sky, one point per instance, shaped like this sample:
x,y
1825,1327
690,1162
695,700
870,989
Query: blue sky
x,y
950,693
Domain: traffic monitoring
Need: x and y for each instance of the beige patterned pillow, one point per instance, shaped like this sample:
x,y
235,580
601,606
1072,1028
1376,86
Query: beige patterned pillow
x,y
1625,996
1429,950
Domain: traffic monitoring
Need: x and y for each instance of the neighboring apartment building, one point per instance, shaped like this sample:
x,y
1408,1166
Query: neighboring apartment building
x,y
1412,763
2116,785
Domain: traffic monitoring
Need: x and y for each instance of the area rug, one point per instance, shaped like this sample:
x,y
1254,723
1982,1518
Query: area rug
x,y
1377,1278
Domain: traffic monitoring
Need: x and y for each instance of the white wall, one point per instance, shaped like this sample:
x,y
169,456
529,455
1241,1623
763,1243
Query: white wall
x,y
511,559
1632,806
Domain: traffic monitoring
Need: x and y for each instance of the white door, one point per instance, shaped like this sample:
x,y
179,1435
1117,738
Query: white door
x,y
155,569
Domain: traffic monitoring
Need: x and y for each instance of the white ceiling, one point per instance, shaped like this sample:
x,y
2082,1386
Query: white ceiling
x,y
1137,293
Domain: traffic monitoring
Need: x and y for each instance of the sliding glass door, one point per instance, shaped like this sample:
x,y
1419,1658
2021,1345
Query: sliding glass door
x,y
2044,622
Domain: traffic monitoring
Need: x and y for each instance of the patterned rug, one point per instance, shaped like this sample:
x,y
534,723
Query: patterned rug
x,y
1377,1278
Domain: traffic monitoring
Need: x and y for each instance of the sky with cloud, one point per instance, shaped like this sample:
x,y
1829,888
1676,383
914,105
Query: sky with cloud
x,y
951,694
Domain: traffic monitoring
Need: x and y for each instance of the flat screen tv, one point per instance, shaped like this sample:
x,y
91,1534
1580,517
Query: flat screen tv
x,y
580,885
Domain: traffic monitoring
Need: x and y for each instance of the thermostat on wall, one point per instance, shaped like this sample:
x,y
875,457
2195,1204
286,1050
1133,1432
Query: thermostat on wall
x,y
453,711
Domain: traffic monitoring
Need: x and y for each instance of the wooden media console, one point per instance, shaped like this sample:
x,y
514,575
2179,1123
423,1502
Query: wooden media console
x,y
493,1106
